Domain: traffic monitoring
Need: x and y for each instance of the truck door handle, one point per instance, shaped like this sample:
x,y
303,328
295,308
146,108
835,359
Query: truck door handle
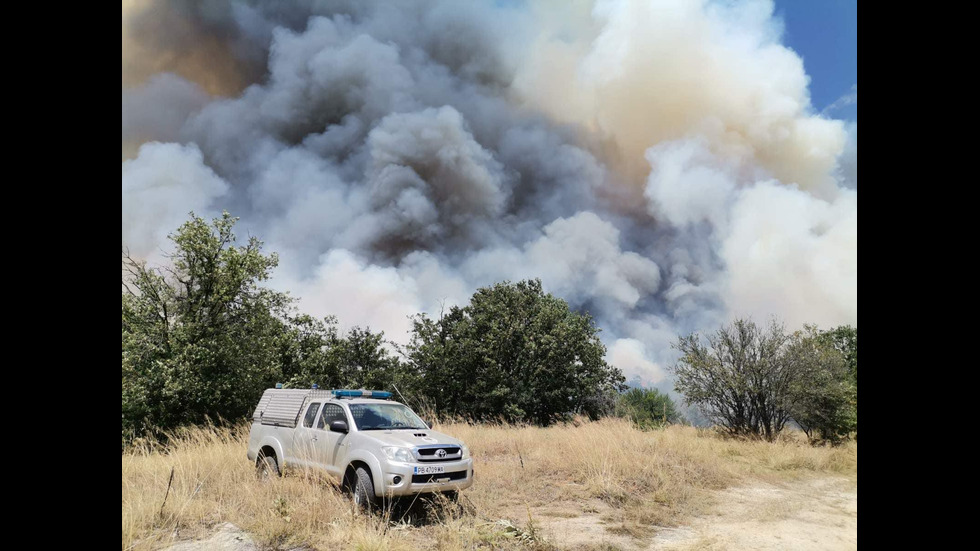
x,y
314,438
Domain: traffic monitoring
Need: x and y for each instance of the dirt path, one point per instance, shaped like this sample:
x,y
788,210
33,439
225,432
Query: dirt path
x,y
808,514
813,514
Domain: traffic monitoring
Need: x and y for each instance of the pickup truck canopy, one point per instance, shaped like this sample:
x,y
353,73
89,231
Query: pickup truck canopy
x,y
281,406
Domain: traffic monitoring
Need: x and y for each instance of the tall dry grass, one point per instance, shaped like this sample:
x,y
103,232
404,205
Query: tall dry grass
x,y
636,480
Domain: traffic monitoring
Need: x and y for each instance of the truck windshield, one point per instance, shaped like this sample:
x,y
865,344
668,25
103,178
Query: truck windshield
x,y
384,417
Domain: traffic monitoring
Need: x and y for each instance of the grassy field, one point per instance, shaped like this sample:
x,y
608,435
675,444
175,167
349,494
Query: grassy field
x,y
527,478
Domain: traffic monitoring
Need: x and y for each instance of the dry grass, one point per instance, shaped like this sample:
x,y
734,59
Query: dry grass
x,y
525,476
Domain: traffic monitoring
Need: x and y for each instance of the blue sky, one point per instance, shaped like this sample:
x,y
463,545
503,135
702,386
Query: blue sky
x,y
824,34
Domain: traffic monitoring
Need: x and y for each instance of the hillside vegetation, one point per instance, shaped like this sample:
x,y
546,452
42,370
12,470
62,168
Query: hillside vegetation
x,y
527,479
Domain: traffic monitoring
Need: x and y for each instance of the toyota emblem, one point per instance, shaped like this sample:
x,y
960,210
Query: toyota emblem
x,y
441,453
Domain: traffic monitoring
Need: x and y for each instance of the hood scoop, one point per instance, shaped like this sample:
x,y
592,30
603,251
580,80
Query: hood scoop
x,y
420,434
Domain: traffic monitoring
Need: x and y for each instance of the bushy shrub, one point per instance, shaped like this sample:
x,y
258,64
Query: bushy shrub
x,y
647,408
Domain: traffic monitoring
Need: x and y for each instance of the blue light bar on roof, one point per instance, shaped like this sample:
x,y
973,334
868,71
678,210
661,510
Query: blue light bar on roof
x,y
361,394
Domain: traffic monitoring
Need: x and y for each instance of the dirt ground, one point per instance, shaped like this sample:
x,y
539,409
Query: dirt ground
x,y
807,514
818,513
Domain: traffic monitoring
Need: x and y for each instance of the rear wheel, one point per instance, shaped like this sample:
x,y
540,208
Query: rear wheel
x,y
363,489
266,466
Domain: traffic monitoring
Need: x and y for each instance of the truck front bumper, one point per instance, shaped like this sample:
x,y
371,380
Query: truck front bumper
x,y
400,478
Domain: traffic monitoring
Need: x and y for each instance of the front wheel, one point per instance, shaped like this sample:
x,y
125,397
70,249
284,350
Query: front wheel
x,y
363,489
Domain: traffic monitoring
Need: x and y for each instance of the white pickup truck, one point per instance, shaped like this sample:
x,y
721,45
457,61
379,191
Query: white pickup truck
x,y
374,446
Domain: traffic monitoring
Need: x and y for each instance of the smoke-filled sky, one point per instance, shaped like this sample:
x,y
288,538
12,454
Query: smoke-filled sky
x,y
659,164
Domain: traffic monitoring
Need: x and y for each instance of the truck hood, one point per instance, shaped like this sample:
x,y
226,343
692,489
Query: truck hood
x,y
406,438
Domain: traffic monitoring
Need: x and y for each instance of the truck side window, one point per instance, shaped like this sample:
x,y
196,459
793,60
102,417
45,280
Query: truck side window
x,y
331,413
311,414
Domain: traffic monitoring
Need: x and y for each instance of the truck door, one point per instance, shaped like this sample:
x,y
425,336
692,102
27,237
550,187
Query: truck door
x,y
305,437
331,447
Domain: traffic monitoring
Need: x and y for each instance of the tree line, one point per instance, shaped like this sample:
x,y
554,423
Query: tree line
x,y
202,338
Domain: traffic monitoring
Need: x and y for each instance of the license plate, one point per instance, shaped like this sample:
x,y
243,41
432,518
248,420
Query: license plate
x,y
430,470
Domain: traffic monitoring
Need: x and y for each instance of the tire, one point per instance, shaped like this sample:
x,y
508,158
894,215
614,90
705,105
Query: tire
x,y
363,489
266,466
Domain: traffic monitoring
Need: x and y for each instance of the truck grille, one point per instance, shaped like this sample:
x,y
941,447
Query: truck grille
x,y
423,478
431,453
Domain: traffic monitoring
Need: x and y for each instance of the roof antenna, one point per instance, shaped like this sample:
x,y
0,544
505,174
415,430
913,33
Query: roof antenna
x,y
399,394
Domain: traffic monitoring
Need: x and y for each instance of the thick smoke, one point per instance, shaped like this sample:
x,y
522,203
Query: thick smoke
x,y
657,164
158,188
157,110
640,73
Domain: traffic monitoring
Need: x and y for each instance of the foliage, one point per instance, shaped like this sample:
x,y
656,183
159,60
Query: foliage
x,y
201,339
752,381
514,352
305,352
316,353
844,340
824,396
198,337
737,378
647,407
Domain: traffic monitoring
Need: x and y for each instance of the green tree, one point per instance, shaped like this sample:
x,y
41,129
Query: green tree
x,y
514,352
844,340
200,338
752,381
365,361
824,396
306,352
314,352
737,378
647,407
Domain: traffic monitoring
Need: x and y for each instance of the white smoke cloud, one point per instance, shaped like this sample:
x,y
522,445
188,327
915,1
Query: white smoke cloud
x,y
687,184
783,251
658,164
578,258
159,187
630,355
581,256
794,255
641,73
358,293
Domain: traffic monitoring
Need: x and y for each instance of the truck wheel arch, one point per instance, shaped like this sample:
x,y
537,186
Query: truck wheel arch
x,y
269,451
267,463
275,447
373,467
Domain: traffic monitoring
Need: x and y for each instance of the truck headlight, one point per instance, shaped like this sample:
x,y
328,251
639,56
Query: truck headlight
x,y
395,453
466,452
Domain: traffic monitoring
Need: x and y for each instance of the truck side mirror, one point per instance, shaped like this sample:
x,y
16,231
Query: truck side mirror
x,y
429,423
339,426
